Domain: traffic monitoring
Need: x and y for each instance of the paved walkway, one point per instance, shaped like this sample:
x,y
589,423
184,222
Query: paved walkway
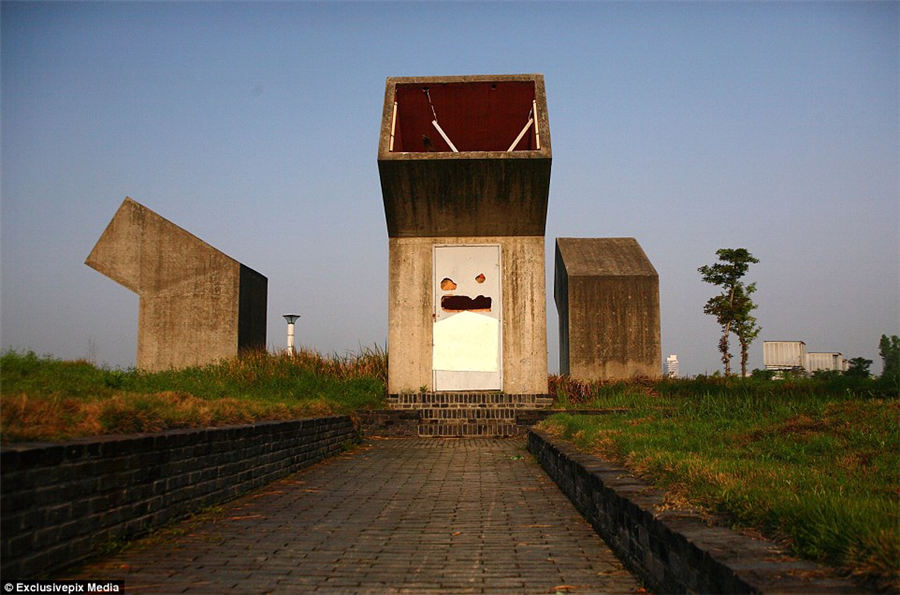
x,y
392,516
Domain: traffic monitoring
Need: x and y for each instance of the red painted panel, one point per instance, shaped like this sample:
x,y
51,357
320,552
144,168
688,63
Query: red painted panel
x,y
476,116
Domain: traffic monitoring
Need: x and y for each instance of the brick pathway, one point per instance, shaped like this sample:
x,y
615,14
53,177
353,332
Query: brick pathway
x,y
393,516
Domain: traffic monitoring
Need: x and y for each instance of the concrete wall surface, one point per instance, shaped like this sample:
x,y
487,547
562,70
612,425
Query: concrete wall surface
x,y
411,309
432,195
197,305
62,502
607,295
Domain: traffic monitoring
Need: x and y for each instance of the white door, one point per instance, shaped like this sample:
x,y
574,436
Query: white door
x,y
467,345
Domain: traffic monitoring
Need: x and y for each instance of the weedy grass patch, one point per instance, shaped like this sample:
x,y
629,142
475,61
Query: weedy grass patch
x,y
42,398
817,468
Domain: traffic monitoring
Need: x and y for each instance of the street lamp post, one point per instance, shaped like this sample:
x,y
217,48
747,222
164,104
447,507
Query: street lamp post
x,y
290,318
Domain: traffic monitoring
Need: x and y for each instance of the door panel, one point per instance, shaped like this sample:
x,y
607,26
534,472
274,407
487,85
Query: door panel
x,y
467,344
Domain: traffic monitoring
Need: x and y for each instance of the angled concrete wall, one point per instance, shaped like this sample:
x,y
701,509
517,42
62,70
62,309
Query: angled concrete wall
x,y
607,295
492,190
197,305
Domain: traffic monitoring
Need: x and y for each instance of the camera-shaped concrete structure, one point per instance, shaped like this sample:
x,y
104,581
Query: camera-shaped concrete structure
x,y
607,296
465,174
197,305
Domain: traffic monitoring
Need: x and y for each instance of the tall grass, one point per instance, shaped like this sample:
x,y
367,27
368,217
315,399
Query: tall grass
x,y
816,466
575,394
42,398
569,393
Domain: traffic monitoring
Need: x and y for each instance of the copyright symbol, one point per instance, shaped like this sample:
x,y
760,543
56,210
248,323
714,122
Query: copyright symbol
x,y
8,587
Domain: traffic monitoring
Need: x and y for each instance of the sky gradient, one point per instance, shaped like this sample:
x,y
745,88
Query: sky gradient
x,y
689,126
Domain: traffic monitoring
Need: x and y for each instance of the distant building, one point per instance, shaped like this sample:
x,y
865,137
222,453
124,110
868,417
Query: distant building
x,y
792,356
672,366
825,360
784,355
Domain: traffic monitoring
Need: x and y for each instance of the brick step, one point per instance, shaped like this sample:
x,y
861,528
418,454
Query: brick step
x,y
472,413
426,400
444,429
465,421
469,413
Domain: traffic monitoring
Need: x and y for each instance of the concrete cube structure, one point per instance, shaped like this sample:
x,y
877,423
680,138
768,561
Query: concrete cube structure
x,y
465,174
197,305
607,297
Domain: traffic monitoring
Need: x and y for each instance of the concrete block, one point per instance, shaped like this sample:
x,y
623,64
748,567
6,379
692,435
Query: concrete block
x,y
607,295
465,162
197,305
483,189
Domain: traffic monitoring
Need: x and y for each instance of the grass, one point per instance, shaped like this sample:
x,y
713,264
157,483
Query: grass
x,y
814,464
45,399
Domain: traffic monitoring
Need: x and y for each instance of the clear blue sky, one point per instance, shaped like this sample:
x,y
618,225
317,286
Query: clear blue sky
x,y
689,126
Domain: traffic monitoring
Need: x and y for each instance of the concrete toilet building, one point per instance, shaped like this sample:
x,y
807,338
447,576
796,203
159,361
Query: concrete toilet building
x,y
607,296
197,305
465,174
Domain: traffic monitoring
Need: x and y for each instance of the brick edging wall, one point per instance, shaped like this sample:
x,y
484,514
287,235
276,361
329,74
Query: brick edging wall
x,y
388,422
673,551
59,503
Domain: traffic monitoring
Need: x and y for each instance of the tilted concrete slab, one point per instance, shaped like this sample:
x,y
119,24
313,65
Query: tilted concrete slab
x,y
197,305
607,295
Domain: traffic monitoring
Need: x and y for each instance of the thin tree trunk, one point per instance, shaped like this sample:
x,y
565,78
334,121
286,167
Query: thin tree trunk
x,y
723,347
744,350
727,355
